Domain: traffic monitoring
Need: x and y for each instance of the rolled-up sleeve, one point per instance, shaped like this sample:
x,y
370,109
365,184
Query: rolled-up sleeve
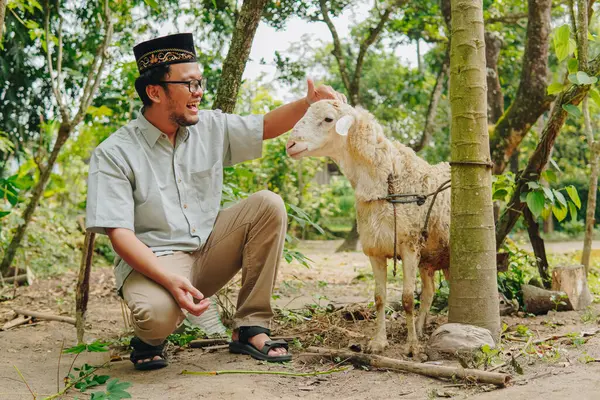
x,y
243,138
110,195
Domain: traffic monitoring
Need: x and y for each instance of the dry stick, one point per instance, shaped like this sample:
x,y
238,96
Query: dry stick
x,y
521,353
437,371
83,285
62,345
15,322
283,373
24,381
218,341
48,317
555,337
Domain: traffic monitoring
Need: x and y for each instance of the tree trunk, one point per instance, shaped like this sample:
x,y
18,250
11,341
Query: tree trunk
x,y
433,105
83,285
538,160
237,56
351,241
473,287
495,97
531,100
590,221
63,134
539,249
2,15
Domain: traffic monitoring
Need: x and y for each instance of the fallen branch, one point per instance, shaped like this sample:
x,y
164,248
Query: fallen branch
x,y
16,322
48,317
283,373
436,371
556,337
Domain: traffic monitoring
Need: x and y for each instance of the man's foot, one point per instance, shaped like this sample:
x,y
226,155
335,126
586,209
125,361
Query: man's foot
x,y
147,357
255,341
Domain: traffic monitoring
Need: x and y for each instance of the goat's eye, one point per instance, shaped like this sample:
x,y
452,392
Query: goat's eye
x,y
328,119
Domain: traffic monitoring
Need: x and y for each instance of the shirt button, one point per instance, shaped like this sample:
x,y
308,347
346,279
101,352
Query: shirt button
x,y
193,230
185,206
163,136
178,180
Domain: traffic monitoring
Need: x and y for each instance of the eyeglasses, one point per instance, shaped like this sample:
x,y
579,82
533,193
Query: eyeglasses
x,y
194,85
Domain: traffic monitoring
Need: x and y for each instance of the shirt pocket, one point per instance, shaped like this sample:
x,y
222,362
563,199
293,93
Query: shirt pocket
x,y
206,188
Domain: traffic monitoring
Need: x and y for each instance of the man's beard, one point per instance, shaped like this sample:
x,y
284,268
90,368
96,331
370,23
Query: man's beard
x,y
178,118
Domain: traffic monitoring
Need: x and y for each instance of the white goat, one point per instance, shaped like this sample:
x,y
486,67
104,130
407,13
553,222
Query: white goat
x,y
355,141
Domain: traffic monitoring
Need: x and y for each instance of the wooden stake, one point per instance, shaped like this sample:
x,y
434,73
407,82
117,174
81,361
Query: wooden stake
x,y
83,284
436,371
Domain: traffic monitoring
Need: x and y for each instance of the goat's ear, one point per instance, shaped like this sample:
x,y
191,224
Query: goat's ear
x,y
343,125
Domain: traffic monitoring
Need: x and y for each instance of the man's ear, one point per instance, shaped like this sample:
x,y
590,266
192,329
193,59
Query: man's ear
x,y
343,125
153,92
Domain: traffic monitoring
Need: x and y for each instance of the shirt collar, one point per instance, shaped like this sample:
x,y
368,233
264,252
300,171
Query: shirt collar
x,y
152,133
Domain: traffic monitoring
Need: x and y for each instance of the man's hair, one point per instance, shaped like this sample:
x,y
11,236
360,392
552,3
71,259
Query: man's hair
x,y
152,76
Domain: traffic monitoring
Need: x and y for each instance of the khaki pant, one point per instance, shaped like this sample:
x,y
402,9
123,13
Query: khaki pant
x,y
247,236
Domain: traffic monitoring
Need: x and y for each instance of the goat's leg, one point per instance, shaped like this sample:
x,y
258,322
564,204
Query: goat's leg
x,y
379,342
410,263
427,275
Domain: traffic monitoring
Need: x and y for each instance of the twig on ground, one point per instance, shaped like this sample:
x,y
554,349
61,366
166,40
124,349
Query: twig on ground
x,y
437,371
73,383
282,373
62,345
199,343
521,353
16,322
48,317
556,337
210,349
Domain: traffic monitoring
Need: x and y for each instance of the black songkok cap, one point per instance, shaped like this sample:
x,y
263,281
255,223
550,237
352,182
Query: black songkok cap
x,y
172,49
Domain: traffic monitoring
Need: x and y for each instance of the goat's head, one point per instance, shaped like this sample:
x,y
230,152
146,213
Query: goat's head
x,y
322,131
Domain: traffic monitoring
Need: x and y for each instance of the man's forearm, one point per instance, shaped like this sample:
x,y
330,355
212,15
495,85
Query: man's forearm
x,y
137,254
282,119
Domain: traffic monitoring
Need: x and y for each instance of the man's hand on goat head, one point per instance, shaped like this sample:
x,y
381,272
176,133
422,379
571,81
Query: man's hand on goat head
x,y
323,92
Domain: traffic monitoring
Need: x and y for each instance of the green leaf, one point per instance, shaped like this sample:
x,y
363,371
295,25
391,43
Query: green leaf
x,y
500,194
563,44
555,88
559,212
548,194
573,212
533,185
152,3
572,109
535,202
116,389
549,176
582,78
573,65
559,196
595,95
572,192
573,78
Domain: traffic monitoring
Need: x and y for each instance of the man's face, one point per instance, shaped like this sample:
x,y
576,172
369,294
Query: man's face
x,y
182,105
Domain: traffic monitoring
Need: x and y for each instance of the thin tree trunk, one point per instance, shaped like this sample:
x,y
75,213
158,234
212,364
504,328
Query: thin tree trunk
x,y
531,100
473,288
433,105
237,56
83,285
2,15
63,134
351,241
539,248
590,221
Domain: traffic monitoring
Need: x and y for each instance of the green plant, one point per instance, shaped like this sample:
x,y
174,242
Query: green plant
x,y
519,265
558,300
85,378
190,332
115,390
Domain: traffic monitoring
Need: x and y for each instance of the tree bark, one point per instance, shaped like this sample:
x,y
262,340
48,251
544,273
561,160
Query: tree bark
x,y
83,285
2,15
473,288
531,100
539,248
538,160
590,220
237,56
433,105
351,241
495,97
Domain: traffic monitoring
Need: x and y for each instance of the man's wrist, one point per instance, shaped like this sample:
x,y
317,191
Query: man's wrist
x,y
306,101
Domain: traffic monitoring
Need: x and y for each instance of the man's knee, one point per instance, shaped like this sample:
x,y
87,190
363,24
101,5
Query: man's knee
x,y
273,203
154,322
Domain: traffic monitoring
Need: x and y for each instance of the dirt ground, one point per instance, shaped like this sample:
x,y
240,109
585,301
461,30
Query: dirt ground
x,y
335,282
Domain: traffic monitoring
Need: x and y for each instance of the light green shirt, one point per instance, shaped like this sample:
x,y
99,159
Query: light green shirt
x,y
168,195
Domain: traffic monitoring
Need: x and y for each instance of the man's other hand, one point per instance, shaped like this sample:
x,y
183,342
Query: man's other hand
x,y
184,293
323,92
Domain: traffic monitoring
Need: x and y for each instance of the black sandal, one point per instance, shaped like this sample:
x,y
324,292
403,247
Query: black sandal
x,y
242,346
143,351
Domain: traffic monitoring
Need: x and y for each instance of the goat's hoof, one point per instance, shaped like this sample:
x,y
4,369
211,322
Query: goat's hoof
x,y
413,350
377,346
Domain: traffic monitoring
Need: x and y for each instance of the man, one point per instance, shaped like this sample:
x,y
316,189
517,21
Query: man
x,y
154,188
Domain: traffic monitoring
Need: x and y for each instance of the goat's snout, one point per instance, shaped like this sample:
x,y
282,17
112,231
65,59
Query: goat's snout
x,y
294,148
